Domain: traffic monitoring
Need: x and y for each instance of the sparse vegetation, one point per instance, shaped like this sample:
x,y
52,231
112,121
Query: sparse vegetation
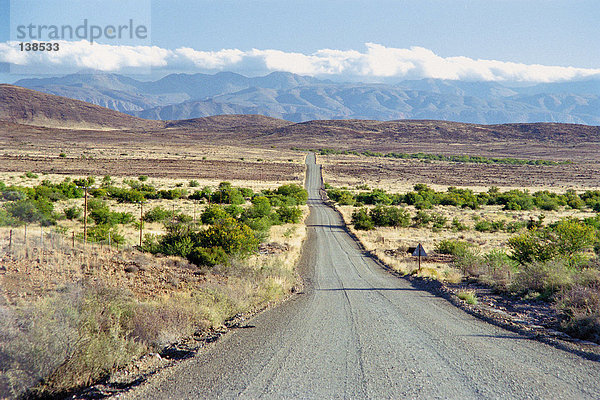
x,y
423,197
84,332
549,255
468,296
439,157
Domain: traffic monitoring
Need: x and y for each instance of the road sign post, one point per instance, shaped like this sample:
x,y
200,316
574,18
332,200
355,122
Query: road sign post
x,y
419,252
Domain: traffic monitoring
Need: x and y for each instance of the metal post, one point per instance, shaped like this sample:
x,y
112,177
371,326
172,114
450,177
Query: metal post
x,y
73,239
26,248
141,221
85,216
419,251
10,241
41,244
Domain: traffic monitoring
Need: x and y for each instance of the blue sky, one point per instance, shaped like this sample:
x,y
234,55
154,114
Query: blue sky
x,y
369,40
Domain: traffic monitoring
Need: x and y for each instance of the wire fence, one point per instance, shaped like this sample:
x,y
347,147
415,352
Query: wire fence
x,y
47,245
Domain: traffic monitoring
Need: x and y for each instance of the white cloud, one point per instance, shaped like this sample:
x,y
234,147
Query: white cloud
x,y
376,62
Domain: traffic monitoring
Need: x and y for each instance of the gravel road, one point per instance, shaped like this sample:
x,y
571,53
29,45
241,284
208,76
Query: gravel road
x,y
358,332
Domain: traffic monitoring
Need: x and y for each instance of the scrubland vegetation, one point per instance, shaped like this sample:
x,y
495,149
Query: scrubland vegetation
x,y
440,157
72,313
540,245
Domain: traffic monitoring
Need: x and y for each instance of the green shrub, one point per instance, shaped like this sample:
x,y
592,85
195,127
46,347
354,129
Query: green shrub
x,y
178,241
468,261
468,296
361,220
7,219
261,207
234,210
542,278
513,227
375,197
346,199
100,233
102,215
106,181
260,224
458,226
73,212
389,216
212,214
423,205
571,237
422,219
85,182
297,192
142,178
208,256
193,183
227,195
232,236
567,238
483,226
289,215
157,214
497,269
67,341
531,246
31,211
172,194
439,220
127,195
453,247
13,195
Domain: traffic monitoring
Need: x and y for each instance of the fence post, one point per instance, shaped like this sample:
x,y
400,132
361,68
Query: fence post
x,y
41,244
26,248
10,241
85,216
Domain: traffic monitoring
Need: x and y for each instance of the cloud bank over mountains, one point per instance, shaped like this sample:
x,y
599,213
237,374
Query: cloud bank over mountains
x,y
376,62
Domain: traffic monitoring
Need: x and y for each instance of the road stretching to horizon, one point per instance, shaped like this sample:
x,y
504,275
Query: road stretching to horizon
x,y
358,332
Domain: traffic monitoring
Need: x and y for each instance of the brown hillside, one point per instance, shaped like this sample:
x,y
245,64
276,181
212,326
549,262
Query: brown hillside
x,y
230,122
25,106
365,134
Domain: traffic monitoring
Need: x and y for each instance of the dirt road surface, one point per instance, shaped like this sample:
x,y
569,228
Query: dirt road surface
x,y
358,332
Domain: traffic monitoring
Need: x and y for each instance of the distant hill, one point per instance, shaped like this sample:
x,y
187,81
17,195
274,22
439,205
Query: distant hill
x,y
24,106
368,134
26,112
298,98
229,122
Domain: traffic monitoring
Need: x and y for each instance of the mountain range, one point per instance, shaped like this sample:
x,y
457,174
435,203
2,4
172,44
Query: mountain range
x,y
299,98
28,115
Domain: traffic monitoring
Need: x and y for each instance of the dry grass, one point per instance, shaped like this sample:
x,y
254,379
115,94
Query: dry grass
x,y
396,175
468,296
384,241
98,309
